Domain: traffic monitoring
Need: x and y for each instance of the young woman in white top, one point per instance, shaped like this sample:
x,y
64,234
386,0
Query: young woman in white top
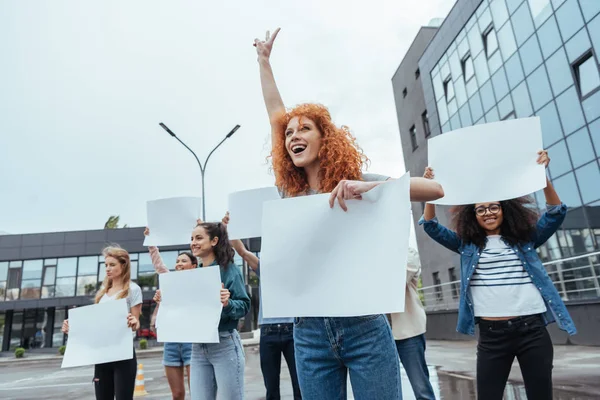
x,y
117,379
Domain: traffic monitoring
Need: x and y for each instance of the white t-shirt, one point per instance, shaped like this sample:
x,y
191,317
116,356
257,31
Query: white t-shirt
x,y
134,298
500,285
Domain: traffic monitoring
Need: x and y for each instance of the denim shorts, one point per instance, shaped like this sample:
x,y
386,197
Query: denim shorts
x,y
177,354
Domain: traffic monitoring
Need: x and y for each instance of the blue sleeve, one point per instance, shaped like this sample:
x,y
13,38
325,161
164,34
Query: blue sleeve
x,y
239,301
441,234
549,223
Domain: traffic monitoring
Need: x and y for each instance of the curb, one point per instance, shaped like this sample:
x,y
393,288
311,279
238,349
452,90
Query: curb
x,y
140,354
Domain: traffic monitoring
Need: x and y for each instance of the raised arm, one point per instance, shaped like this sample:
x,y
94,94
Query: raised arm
x,y
239,247
159,265
553,218
271,95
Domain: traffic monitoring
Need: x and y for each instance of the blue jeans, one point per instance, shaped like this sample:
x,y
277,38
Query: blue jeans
x,y
412,356
277,339
327,348
218,367
177,354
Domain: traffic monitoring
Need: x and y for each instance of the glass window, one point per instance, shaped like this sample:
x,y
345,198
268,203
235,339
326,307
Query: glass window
x,y
2,294
48,292
513,5
522,103
557,3
475,42
145,263
88,266
539,88
30,289
559,72
15,264
531,55
588,178
65,287
567,190
467,68
471,87
561,163
595,133
438,87
484,20
455,65
86,285
3,270
586,74
492,116
452,107
590,8
580,147
551,129
102,272
481,68
495,62
506,40
549,37
522,24
490,42
579,44
67,267
591,106
449,89
134,270
505,107
446,127
425,121
475,105
50,261
133,256
540,10
594,32
49,275
569,19
460,92
500,83
455,122
32,269
514,71
499,12
442,112
463,47
569,110
487,96
465,115
445,69
413,137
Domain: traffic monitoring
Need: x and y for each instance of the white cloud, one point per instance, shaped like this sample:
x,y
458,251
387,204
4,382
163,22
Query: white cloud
x,y
86,84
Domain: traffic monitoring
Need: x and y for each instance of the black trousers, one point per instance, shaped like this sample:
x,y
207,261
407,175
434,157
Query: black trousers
x,y
275,340
115,379
500,342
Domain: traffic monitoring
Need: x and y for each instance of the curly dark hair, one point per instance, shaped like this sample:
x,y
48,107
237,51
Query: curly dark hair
x,y
223,251
518,225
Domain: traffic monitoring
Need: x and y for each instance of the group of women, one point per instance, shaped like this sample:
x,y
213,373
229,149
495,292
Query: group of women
x,y
504,286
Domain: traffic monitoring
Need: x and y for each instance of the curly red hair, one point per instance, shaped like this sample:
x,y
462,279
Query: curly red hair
x,y
340,156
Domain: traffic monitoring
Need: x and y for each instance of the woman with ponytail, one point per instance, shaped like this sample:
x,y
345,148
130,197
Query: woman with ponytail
x,y
219,367
117,379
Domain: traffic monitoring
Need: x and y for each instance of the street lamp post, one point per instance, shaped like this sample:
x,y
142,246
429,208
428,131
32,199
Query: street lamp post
x,y
202,167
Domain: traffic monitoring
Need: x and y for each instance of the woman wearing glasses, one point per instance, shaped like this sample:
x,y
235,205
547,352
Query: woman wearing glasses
x,y
505,288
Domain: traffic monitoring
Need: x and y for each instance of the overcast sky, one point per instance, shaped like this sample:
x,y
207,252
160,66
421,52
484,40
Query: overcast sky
x,y
85,84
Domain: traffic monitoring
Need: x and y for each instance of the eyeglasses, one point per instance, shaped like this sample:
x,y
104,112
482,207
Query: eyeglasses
x,y
493,209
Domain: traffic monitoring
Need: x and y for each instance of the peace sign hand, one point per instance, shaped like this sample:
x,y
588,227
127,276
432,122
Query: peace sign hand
x,y
263,48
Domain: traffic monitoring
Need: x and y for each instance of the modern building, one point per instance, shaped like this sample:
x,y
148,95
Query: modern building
x,y
43,275
492,60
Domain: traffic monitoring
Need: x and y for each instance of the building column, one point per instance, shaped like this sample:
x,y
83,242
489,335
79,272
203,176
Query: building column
x,y
8,317
49,326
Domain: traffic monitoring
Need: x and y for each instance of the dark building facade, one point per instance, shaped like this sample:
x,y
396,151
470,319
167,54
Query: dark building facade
x,y
492,60
43,275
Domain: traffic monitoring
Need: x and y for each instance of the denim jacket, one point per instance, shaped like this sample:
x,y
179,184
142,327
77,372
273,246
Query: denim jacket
x,y
547,225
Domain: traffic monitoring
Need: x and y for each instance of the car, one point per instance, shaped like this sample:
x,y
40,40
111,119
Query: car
x,y
146,333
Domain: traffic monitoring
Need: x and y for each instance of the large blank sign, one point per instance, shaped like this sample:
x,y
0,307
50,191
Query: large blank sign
x,y
246,209
317,261
490,162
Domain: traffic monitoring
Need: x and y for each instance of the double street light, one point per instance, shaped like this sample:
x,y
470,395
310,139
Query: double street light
x,y
202,167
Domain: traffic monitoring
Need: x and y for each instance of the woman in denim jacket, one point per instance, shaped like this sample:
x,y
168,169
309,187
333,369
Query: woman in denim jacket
x,y
505,287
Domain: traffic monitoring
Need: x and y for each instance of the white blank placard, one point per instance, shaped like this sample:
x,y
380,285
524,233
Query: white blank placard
x,y
98,334
317,261
190,308
172,220
245,210
489,162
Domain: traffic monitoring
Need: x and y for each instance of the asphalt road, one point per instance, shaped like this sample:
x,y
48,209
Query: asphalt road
x,y
45,380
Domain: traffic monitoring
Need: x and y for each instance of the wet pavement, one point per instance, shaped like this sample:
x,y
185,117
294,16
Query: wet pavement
x,y
452,378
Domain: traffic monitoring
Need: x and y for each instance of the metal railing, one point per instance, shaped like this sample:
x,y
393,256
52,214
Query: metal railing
x,y
575,278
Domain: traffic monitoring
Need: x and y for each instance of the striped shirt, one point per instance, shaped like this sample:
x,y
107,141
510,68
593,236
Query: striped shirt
x,y
500,285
